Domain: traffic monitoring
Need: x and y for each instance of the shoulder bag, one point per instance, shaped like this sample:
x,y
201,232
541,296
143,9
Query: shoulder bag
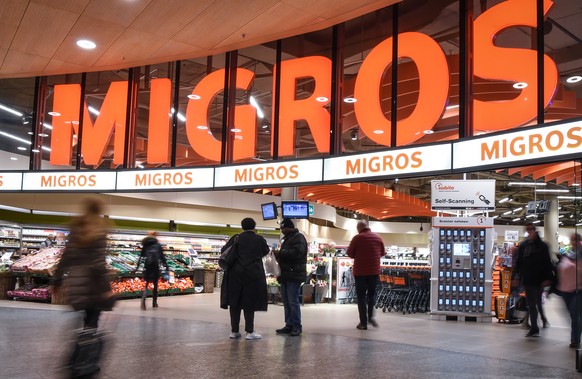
x,y
228,255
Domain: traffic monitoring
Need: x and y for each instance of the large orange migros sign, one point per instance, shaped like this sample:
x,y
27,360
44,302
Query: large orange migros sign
x,y
490,62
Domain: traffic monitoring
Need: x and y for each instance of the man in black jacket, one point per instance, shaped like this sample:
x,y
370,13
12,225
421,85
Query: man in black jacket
x,y
292,258
534,269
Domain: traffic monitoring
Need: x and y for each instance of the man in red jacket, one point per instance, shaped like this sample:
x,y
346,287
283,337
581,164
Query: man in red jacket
x,y
366,248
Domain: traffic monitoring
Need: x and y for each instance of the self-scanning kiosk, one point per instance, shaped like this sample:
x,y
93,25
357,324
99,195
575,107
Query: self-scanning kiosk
x,y
462,252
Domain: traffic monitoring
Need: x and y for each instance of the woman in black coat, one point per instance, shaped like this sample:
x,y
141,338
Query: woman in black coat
x,y
244,285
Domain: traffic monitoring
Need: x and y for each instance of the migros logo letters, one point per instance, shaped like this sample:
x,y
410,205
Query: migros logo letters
x,y
490,62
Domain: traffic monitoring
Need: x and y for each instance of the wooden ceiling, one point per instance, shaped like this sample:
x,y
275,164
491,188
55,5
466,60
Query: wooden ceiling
x,y
38,37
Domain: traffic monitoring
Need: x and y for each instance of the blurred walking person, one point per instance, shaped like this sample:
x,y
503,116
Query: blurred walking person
x,y
83,273
570,285
152,255
244,284
534,270
366,248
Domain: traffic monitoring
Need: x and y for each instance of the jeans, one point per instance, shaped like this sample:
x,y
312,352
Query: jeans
x,y
290,296
533,294
235,320
366,293
571,298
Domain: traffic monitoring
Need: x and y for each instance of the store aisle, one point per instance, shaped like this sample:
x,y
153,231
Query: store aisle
x,y
188,337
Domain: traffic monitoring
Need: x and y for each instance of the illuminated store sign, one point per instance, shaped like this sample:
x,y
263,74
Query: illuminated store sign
x,y
69,181
547,142
266,174
10,181
490,63
165,179
417,160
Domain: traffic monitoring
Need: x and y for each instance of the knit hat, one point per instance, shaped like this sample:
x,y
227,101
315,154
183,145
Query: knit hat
x,y
248,223
287,223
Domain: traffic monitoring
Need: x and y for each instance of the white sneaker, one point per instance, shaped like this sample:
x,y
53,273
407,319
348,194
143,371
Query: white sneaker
x,y
234,335
253,336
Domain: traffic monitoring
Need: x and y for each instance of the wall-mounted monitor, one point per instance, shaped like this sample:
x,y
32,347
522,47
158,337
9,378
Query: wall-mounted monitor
x,y
462,249
269,211
295,209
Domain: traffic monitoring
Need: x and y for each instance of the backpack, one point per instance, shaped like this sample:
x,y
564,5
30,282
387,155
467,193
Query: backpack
x,y
152,257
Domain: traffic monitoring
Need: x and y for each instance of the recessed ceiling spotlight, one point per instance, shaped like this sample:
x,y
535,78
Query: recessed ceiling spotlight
x,y
202,127
520,85
54,114
265,126
86,44
30,133
35,150
21,148
42,135
235,130
574,79
350,100
194,97
322,99
378,131
14,158
428,131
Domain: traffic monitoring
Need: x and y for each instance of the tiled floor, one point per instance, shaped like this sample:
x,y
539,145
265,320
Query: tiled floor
x,y
187,337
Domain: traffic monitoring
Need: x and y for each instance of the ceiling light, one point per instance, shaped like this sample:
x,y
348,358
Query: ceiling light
x,y
35,150
202,127
93,110
194,97
575,184
43,135
235,130
532,184
52,213
309,194
520,85
13,158
516,219
517,209
569,197
235,226
137,219
574,79
49,126
536,221
16,138
378,131
21,148
238,137
354,134
350,100
10,110
504,200
552,190
507,213
181,117
257,107
452,106
54,114
428,131
265,126
14,209
196,223
46,148
140,166
25,121
86,44
560,216
30,133
494,217
322,99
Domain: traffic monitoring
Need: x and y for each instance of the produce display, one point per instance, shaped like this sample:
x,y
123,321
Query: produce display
x,y
42,262
31,291
135,286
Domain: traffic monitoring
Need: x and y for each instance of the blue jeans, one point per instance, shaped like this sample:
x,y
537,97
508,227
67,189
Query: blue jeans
x,y
290,296
570,298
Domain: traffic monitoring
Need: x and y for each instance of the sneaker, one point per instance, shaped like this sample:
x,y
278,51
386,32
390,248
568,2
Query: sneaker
x,y
373,322
235,335
533,333
362,326
285,330
296,332
574,345
546,324
253,336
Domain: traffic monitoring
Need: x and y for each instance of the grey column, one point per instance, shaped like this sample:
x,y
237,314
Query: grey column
x,y
551,221
289,193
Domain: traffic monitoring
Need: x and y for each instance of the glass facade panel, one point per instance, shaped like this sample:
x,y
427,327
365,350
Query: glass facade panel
x,y
16,110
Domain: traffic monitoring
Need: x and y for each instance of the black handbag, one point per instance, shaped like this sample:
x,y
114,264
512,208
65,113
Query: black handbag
x,y
228,255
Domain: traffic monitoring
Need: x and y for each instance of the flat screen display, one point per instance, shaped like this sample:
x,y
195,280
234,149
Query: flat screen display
x,y
295,209
462,249
269,211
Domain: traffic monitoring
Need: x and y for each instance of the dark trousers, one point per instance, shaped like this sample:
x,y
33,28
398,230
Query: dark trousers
x,y
235,319
366,293
571,298
154,292
91,318
533,294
